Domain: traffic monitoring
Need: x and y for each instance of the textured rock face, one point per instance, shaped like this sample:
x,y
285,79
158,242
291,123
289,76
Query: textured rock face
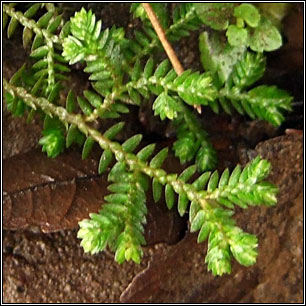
x,y
53,267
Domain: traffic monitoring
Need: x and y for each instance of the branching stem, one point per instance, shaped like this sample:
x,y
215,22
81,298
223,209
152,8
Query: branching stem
x,y
132,160
31,24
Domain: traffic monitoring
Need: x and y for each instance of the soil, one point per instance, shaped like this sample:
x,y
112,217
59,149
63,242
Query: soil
x,y
52,267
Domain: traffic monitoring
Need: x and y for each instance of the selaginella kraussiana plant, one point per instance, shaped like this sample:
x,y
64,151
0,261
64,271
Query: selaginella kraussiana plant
x,y
123,72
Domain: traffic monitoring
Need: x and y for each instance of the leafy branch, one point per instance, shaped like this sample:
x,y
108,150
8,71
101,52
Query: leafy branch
x,y
240,188
123,72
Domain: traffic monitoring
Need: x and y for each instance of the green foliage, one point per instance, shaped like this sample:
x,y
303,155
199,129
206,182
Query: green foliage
x,y
44,73
119,224
248,70
184,20
165,106
265,37
237,69
121,72
250,30
248,13
52,142
192,88
225,238
215,15
99,49
192,142
237,36
160,10
218,57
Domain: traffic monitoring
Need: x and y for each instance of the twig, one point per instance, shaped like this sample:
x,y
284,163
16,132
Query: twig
x,y
162,36
164,41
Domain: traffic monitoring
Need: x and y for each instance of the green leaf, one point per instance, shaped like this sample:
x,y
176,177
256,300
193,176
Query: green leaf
x,y
265,37
203,234
44,20
134,96
12,27
249,69
136,71
169,196
85,106
40,52
249,13
182,78
200,182
186,146
218,257
104,38
30,12
188,173
146,152
94,99
117,198
51,123
120,255
121,108
119,187
273,100
234,178
148,69
142,39
237,36
118,172
74,135
218,57
53,26
70,102
27,37
213,182
5,19
112,132
182,203
243,246
87,147
215,15
37,42
159,158
224,178
98,75
131,144
65,31
105,160
54,93
162,69
17,75
157,189
227,203
52,142
193,210
197,221
206,157
165,106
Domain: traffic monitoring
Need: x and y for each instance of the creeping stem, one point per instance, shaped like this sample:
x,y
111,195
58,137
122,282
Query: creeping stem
x,y
131,160
31,24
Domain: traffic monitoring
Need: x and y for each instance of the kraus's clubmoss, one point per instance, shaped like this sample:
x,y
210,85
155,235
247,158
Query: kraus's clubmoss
x,y
123,72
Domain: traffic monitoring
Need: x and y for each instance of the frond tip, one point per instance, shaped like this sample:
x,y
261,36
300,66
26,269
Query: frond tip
x,y
119,224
